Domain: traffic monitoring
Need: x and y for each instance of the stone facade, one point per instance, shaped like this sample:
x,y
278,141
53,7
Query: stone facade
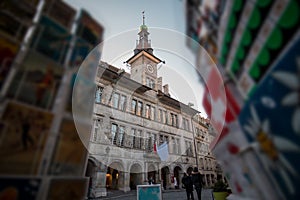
x,y
132,116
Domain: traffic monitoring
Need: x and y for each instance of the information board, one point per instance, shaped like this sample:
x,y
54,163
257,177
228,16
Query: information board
x,y
149,192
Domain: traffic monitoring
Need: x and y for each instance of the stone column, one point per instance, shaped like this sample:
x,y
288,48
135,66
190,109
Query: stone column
x,y
205,178
169,183
158,174
100,184
180,178
126,181
121,180
145,178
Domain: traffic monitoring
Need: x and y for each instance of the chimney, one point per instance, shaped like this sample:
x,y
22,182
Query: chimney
x,y
166,89
159,84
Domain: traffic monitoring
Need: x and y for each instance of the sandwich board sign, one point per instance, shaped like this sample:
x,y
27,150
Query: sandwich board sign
x,y
149,192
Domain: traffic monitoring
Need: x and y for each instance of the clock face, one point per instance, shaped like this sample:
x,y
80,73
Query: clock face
x,y
150,68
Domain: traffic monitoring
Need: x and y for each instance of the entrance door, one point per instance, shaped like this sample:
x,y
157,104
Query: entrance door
x,y
177,175
165,172
136,176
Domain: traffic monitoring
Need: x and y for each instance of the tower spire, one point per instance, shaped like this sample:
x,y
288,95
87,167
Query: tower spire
x,y
143,43
143,17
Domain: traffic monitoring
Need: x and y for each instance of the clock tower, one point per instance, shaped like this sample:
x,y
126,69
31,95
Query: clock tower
x,y
143,63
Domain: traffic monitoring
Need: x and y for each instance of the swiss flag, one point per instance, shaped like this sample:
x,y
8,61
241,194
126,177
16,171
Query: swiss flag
x,y
219,104
215,98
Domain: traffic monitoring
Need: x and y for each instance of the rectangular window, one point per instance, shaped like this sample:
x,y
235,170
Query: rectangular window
x,y
147,111
191,149
120,141
186,125
96,128
148,142
140,140
165,117
152,113
148,82
114,129
160,115
98,95
116,98
123,103
153,138
140,108
188,145
198,146
206,148
197,132
133,106
174,119
133,134
152,84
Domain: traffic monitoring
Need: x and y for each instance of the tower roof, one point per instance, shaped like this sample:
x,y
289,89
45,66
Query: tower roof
x,y
143,43
143,27
143,53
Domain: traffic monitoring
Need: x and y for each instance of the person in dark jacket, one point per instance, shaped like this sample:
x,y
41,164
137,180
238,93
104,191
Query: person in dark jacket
x,y
197,181
188,184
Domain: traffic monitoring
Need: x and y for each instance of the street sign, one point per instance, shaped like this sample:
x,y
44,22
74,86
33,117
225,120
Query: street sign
x,y
149,192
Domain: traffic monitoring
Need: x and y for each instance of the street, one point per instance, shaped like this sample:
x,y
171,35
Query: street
x,y
166,195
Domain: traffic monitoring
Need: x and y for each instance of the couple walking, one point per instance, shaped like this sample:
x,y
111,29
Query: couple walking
x,y
190,180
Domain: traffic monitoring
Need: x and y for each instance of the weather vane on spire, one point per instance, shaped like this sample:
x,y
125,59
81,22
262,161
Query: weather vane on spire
x,y
143,17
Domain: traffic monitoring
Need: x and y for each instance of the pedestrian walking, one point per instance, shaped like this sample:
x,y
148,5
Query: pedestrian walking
x,y
197,181
188,184
175,183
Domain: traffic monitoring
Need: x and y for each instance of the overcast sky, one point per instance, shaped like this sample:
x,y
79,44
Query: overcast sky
x,y
166,23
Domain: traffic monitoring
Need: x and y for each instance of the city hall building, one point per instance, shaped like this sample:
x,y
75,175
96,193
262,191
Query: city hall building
x,y
133,115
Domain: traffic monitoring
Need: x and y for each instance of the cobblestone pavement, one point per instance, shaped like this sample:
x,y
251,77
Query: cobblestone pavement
x,y
167,195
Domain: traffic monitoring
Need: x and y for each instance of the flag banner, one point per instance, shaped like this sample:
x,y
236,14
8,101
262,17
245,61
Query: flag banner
x,y
163,151
155,147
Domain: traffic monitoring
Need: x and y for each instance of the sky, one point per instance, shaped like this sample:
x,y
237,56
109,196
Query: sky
x,y
166,24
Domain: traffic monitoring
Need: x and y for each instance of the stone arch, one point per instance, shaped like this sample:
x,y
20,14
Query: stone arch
x,y
178,165
117,164
165,177
152,175
136,175
115,175
135,163
151,167
93,160
178,174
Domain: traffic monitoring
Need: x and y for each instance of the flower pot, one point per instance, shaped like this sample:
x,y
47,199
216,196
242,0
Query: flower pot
x,y
220,195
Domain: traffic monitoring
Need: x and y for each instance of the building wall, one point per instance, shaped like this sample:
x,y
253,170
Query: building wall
x,y
123,155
